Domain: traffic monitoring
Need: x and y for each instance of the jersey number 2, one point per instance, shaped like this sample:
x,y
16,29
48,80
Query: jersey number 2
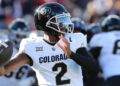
x,y
116,49
58,77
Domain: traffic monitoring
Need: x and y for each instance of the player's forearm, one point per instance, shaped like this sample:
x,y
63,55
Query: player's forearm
x,y
19,60
3,70
86,61
11,66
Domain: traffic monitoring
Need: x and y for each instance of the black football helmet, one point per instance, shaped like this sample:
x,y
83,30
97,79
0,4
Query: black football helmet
x,y
79,25
111,22
94,28
18,29
53,18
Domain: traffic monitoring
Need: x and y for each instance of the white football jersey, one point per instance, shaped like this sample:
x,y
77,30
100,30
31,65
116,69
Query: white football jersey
x,y
109,58
53,67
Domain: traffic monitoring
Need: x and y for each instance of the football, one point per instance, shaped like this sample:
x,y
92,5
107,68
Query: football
x,y
6,50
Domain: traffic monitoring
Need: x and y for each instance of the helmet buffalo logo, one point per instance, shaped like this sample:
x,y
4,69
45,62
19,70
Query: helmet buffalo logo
x,y
45,11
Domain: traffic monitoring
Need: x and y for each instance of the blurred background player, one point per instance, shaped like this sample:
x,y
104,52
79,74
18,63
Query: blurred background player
x,y
94,79
18,30
105,47
79,25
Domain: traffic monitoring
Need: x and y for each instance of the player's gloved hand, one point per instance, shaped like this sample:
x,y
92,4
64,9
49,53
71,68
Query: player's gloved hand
x,y
65,47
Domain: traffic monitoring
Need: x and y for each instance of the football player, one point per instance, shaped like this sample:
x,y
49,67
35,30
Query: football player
x,y
18,29
60,54
105,47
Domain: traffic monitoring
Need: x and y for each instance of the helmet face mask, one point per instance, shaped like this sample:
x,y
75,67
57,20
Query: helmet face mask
x,y
61,23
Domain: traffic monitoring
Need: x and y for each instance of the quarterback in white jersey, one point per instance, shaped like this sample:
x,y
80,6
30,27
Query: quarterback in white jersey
x,y
106,46
54,66
59,55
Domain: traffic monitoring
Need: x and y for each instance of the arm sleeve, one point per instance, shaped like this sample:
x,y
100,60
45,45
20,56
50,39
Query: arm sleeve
x,y
95,52
22,48
85,59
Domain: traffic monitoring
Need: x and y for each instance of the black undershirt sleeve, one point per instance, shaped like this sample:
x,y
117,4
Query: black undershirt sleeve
x,y
85,60
95,52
